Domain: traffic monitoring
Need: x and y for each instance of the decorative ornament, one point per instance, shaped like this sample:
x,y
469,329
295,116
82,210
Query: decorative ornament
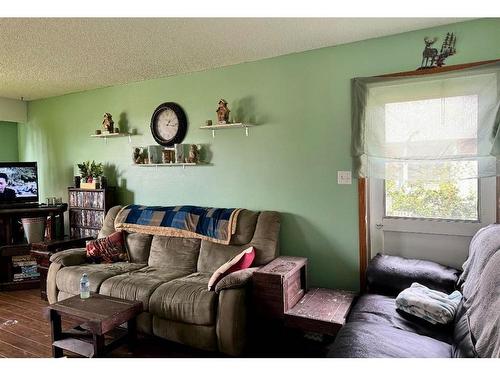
x,y
194,154
108,123
430,56
222,112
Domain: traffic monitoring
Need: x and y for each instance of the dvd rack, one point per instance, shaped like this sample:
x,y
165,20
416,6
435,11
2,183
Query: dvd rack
x,y
87,208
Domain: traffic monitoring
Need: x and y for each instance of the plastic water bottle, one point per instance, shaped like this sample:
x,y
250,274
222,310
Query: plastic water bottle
x,y
84,287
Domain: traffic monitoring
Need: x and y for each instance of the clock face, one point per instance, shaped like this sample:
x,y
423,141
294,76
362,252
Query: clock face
x,y
168,124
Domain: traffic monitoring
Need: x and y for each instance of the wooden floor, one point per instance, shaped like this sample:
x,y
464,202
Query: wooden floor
x,y
25,333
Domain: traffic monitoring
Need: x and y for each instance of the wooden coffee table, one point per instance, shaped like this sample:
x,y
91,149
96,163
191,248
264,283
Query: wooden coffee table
x,y
100,332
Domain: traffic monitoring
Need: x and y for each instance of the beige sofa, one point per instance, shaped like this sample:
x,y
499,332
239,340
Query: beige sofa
x,y
170,276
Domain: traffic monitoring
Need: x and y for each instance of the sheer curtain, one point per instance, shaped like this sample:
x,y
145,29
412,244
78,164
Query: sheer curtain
x,y
429,127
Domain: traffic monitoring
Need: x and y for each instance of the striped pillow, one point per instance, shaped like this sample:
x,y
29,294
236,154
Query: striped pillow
x,y
109,249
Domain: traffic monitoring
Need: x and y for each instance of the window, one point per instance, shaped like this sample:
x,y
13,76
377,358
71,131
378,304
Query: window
x,y
432,189
448,200
428,145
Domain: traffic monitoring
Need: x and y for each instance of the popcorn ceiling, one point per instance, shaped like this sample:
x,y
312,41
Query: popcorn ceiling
x,y
56,56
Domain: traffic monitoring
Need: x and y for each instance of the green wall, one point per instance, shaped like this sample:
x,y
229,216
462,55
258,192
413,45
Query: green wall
x,y
289,163
8,141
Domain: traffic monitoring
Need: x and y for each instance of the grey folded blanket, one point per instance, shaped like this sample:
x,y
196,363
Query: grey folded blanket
x,y
431,305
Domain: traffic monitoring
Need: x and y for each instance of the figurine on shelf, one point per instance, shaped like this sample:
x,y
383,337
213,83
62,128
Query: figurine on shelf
x,y
138,156
168,156
222,112
194,154
108,123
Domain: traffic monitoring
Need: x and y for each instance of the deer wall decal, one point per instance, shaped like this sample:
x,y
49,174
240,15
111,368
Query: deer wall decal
x,y
429,56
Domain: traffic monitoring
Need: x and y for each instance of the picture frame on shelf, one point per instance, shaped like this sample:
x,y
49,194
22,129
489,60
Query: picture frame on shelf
x,y
181,154
155,154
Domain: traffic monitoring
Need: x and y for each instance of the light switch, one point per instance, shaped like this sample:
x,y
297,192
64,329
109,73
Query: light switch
x,y
344,177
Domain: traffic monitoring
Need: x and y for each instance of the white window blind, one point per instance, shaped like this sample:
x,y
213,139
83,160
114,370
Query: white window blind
x,y
432,128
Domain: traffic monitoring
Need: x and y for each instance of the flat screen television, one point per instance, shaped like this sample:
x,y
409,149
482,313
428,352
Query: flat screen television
x,y
18,182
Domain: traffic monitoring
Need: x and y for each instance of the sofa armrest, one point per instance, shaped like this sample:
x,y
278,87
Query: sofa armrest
x,y
70,257
235,279
390,275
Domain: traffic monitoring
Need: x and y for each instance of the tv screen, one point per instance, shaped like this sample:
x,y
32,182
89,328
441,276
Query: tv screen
x,y
18,182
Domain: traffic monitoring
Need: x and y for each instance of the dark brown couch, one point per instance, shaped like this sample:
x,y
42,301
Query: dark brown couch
x,y
375,328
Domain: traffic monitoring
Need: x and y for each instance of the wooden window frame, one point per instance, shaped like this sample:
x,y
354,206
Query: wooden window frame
x,y
362,182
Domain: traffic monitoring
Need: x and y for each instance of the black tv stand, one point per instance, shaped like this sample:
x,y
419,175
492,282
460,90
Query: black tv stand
x,y
20,205
12,241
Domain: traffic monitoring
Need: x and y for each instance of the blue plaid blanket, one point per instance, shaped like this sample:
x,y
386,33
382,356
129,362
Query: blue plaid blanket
x,y
212,224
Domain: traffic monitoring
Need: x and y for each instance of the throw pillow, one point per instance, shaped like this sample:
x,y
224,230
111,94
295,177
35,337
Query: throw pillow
x,y
109,249
239,262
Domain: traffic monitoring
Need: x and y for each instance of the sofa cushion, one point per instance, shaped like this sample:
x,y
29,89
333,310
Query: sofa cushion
x,y
185,300
372,340
214,255
138,246
265,240
174,252
68,278
388,274
381,310
139,285
245,227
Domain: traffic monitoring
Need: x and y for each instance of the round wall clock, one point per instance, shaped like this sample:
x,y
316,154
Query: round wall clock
x,y
168,124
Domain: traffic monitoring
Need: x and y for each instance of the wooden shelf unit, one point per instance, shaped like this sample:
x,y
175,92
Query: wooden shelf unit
x,y
183,165
87,209
13,244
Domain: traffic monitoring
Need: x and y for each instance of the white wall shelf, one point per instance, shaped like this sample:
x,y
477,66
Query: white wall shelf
x,y
237,125
105,136
183,165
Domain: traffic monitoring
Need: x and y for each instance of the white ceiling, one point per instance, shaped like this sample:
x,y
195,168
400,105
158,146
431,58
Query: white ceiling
x,y
43,57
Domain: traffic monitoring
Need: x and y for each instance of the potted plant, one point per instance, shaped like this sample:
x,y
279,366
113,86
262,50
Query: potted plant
x,y
91,173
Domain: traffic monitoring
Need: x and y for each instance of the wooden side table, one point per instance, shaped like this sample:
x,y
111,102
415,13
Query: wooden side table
x,y
280,292
321,310
42,251
279,285
102,315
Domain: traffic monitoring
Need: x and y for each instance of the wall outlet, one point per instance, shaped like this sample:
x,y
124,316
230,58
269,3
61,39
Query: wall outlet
x,y
344,177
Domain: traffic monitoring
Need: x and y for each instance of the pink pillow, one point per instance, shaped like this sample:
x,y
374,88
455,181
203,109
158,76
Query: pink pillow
x,y
239,262
108,249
